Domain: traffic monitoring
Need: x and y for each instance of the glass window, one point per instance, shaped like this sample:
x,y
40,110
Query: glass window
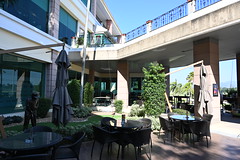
x,y
19,77
67,27
34,12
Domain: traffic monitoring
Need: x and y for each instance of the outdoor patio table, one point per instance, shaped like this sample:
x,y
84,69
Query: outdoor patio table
x,y
30,141
183,117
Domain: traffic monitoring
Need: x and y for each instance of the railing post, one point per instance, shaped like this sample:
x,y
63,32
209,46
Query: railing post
x,y
123,38
191,6
149,26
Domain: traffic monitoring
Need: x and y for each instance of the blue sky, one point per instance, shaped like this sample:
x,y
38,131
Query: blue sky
x,y
130,14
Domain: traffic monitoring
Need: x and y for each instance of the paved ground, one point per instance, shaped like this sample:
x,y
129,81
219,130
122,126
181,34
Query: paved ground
x,y
224,145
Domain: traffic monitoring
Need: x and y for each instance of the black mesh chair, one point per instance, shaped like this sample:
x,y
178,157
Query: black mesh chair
x,y
208,117
70,150
139,138
39,129
147,123
107,122
103,136
200,128
31,156
167,126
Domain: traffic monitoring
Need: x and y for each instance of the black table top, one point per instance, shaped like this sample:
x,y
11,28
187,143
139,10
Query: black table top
x,y
23,141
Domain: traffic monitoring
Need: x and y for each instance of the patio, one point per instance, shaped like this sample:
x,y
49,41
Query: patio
x,y
220,148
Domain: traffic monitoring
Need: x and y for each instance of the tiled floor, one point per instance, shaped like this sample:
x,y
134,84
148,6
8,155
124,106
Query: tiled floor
x,y
220,148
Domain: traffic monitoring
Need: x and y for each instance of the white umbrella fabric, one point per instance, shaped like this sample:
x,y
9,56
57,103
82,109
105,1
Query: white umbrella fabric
x,y
204,94
62,111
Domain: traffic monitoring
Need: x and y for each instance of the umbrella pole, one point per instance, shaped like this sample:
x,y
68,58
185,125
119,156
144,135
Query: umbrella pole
x,y
84,55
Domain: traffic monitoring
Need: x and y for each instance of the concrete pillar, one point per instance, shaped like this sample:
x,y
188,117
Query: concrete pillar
x,y
238,78
149,26
94,7
123,82
123,39
91,76
53,22
51,75
207,50
109,25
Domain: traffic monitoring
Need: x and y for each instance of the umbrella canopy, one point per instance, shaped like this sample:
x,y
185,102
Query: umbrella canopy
x,y
204,94
62,111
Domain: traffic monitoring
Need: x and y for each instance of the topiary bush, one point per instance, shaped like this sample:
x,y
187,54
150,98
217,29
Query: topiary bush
x,y
74,91
82,112
88,94
118,104
154,87
44,106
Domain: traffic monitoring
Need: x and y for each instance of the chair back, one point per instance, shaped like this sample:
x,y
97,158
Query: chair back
x,y
207,117
147,123
141,137
39,129
106,121
199,127
164,124
103,136
77,140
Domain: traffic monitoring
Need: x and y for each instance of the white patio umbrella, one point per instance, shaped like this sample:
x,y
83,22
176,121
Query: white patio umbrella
x,y
204,94
62,111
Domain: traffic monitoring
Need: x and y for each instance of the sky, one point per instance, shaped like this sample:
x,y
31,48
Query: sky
x,y
130,14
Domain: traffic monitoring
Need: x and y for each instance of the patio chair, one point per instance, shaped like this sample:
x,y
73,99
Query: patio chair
x,y
38,129
139,138
30,156
71,150
103,136
106,123
208,117
200,128
166,126
147,123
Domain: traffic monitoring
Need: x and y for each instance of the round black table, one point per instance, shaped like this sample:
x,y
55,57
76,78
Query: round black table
x,y
183,117
23,142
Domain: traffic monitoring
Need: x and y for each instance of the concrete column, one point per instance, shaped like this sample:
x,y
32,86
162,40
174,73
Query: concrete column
x,y
51,75
238,78
53,22
123,82
207,50
91,76
109,25
94,7
149,26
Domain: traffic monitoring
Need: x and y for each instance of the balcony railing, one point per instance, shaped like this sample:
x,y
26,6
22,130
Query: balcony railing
x,y
171,16
136,32
200,4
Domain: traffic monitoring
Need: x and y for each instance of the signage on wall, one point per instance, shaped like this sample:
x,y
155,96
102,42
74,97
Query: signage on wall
x,y
215,90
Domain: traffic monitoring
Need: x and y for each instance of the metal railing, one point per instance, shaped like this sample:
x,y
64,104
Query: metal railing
x,y
168,17
171,16
136,32
200,4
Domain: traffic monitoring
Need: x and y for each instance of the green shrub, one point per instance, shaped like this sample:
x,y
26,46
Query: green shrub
x,y
74,91
118,104
137,110
82,112
43,108
154,87
12,119
180,111
88,94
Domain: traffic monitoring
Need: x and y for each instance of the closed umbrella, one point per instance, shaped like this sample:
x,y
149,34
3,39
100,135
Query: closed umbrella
x,y
204,94
62,111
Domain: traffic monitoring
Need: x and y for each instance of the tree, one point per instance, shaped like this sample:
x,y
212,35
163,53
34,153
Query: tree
x,y
88,94
154,87
74,91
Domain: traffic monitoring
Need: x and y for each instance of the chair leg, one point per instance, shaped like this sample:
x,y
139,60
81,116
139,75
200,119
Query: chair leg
x,y
101,152
207,141
92,148
118,151
135,149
